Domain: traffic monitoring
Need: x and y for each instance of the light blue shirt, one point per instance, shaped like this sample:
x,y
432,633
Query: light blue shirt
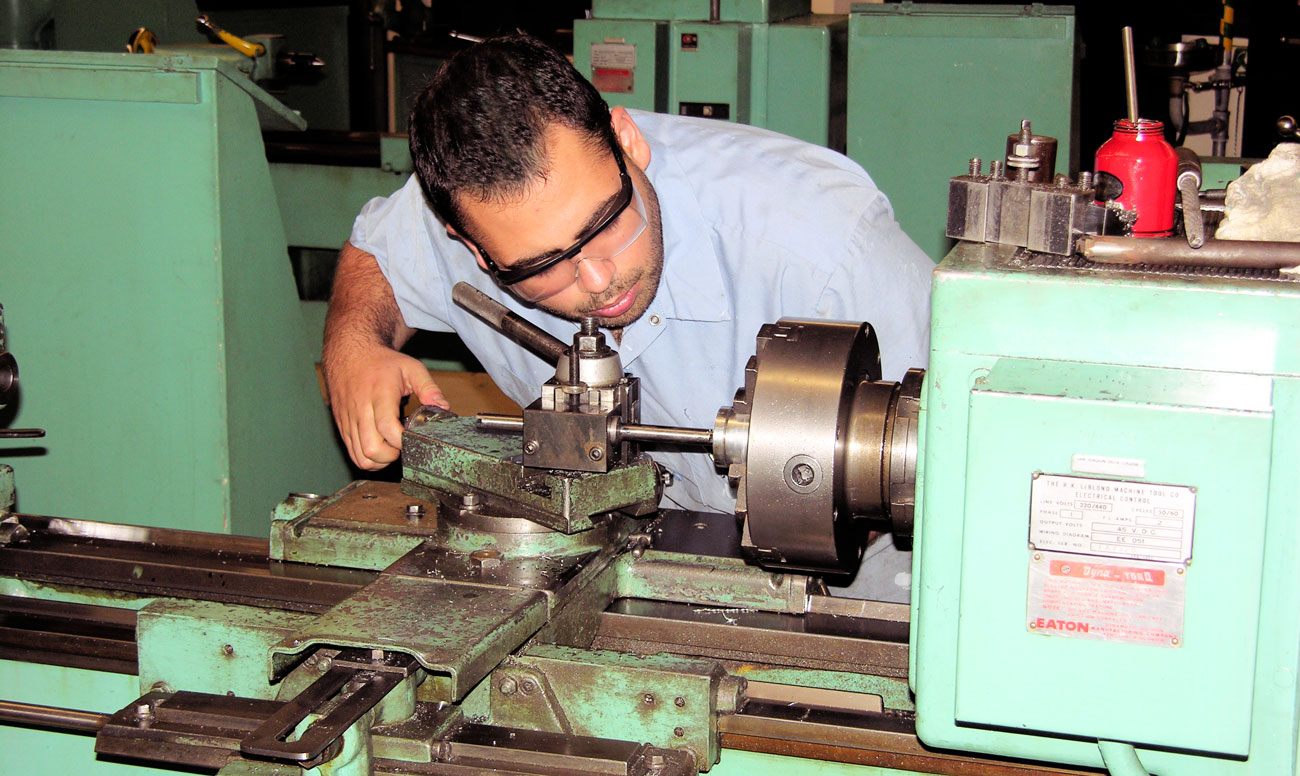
x,y
757,226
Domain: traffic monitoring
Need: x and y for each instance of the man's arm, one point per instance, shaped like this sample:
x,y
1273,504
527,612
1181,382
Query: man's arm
x,y
365,375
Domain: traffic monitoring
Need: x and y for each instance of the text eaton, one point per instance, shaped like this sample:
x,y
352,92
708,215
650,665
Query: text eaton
x,y
1042,623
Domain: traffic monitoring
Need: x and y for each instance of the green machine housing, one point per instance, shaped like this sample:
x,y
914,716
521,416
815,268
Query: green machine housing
x,y
769,63
1105,540
150,295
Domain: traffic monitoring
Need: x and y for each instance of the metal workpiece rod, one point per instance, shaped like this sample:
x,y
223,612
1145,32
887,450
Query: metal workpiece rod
x,y
22,433
624,432
1252,254
1130,76
491,422
495,314
67,720
635,432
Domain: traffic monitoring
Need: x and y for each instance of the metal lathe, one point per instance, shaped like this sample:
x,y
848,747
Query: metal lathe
x,y
1093,472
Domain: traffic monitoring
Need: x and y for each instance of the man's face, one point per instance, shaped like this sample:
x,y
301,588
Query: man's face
x,y
560,208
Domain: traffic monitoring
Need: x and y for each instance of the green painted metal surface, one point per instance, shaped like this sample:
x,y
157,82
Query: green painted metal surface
x,y
930,86
776,67
148,290
1193,377
449,454
893,693
319,202
460,631
700,579
642,45
34,751
716,71
325,531
666,701
201,646
698,10
806,79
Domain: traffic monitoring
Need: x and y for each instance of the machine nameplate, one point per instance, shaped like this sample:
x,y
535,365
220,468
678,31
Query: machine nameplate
x,y
613,66
1078,597
1117,518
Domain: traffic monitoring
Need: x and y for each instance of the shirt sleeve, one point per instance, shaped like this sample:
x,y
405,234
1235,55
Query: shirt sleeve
x,y
406,239
883,278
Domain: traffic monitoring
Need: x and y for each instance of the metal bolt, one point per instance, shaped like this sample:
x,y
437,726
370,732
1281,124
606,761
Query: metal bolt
x,y
144,715
528,687
995,169
649,699
443,750
678,732
530,446
414,513
324,664
1085,180
595,453
975,164
802,474
227,649
485,559
368,496
666,478
470,500
508,686
679,701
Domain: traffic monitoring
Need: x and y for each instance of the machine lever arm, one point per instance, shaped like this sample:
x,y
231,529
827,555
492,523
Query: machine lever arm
x,y
360,691
495,314
1189,188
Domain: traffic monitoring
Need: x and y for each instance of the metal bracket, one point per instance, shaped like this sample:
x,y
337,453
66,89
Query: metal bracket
x,y
360,681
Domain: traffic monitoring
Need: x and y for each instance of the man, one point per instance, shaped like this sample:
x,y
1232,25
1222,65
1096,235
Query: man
x,y
681,236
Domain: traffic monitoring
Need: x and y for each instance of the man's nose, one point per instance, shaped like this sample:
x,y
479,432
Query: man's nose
x,y
595,275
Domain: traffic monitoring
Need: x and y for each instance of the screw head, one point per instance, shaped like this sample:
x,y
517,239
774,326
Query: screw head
x,y
508,686
227,649
531,446
679,701
679,732
595,453
802,474
649,698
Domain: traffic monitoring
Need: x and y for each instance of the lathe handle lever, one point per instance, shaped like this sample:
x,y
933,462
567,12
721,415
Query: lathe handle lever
x,y
361,690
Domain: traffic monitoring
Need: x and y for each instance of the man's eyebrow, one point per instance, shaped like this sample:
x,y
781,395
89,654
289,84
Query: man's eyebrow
x,y
597,216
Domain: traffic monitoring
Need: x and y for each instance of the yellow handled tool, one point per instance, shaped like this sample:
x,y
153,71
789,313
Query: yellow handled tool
x,y
239,44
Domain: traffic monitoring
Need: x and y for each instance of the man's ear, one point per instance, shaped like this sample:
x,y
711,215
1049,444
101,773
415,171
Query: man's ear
x,y
629,137
455,235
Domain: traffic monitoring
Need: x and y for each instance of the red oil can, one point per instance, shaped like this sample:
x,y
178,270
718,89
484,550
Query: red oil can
x,y
1146,166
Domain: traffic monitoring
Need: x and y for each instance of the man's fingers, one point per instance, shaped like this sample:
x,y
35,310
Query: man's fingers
x,y
424,388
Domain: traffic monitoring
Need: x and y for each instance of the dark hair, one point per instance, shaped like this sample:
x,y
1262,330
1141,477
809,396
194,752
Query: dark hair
x,y
478,126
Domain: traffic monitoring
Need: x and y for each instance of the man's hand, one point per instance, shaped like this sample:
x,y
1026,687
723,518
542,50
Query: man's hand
x,y
365,375
366,389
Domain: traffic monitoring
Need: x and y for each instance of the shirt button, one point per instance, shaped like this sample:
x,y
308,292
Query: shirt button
x,y
654,320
